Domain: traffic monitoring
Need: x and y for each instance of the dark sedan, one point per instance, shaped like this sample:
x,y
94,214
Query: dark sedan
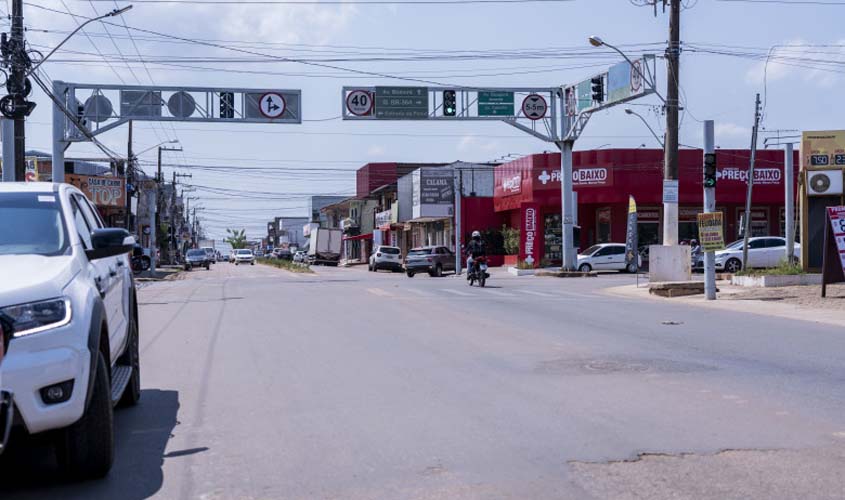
x,y
434,260
197,257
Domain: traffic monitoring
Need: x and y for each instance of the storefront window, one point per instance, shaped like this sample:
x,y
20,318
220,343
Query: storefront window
x,y
759,222
553,239
603,217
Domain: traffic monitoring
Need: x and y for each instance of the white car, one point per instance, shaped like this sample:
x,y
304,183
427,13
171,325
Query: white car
x,y
67,297
299,256
245,256
763,251
211,253
386,257
605,256
6,400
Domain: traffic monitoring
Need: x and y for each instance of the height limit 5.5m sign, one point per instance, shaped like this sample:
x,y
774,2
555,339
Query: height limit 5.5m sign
x,y
534,107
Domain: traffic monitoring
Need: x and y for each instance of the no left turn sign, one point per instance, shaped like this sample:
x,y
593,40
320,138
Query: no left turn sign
x,y
534,107
360,103
272,105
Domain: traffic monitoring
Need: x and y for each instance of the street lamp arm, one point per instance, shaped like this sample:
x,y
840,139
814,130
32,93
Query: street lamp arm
x,y
115,12
656,137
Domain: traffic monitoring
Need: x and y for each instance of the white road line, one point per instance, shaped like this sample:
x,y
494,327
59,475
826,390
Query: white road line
x,y
379,292
498,293
456,292
538,294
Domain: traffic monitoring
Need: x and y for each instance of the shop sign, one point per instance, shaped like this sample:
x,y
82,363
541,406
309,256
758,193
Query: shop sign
x,y
433,193
823,149
531,241
587,176
649,215
513,184
711,234
833,268
102,191
762,176
383,219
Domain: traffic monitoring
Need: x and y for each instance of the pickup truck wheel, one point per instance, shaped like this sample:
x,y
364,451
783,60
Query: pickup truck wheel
x,y
438,271
85,450
252,263
208,267
132,393
410,274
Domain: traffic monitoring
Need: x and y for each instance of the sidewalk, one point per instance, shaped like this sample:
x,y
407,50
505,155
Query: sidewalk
x,y
802,303
161,273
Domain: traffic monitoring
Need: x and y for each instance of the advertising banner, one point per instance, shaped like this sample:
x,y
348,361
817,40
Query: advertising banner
x,y
711,234
833,261
531,235
433,193
625,81
631,236
102,191
823,149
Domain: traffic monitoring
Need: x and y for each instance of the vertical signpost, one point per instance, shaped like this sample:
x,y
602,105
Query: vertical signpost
x,y
709,222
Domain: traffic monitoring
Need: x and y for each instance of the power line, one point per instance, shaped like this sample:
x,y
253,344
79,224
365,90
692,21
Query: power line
x,y
342,2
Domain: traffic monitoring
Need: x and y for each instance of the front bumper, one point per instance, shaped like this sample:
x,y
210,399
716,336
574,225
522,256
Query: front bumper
x,y
44,359
419,267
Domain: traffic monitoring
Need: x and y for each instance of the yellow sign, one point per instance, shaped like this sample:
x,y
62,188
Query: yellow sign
x,y
711,234
823,149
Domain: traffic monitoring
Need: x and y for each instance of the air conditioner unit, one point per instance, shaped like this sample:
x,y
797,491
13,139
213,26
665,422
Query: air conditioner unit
x,y
824,182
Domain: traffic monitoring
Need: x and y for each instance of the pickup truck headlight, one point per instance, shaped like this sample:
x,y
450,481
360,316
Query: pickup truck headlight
x,y
34,317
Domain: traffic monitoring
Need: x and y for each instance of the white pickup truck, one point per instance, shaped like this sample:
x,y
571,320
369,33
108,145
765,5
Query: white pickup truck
x,y
67,301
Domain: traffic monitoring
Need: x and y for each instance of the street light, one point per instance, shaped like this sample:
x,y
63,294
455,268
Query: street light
x,y
656,137
115,12
173,141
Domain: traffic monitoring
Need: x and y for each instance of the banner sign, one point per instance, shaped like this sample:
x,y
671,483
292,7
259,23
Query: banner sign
x,y
711,234
631,236
531,235
102,191
833,261
823,148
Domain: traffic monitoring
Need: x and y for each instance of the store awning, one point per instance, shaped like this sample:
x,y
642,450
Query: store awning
x,y
367,236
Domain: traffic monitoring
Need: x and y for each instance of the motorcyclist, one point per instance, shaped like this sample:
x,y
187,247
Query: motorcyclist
x,y
474,249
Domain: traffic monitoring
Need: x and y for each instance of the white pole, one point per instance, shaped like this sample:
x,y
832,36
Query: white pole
x,y
709,207
8,150
59,91
458,173
151,209
569,256
789,201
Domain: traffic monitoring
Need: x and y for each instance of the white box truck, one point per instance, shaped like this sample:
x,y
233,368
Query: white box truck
x,y
324,246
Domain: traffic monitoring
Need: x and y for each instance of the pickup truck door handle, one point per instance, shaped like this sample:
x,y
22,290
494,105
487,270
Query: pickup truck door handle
x,y
99,282
120,263
112,272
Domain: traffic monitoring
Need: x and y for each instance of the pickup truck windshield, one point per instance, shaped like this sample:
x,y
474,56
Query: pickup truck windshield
x,y
32,223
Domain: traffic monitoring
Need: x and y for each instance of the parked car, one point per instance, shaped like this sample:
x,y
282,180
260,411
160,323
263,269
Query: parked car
x,y
763,251
67,298
282,253
244,256
606,256
385,257
212,255
300,256
434,260
259,253
197,257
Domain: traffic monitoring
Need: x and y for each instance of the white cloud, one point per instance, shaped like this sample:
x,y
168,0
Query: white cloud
x,y
291,24
470,143
730,130
798,58
376,150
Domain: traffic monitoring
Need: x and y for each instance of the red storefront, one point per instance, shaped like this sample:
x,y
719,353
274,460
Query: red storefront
x,y
527,194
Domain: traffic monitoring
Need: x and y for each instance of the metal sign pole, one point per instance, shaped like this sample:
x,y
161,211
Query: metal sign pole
x,y
566,194
789,205
58,167
709,207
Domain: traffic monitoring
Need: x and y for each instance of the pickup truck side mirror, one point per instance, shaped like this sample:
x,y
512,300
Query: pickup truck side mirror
x,y
109,242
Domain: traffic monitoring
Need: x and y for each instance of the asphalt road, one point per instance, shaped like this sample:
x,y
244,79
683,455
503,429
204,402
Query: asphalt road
x,y
345,384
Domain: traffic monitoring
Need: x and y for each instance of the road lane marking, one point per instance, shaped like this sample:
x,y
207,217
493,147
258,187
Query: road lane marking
x,y
456,292
538,294
379,292
500,294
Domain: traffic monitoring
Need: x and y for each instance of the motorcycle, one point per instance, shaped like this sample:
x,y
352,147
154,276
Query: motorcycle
x,y
478,272
139,261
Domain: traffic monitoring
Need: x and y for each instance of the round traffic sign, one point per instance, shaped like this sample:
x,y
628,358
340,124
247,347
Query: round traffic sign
x,y
636,76
272,105
181,104
534,107
360,102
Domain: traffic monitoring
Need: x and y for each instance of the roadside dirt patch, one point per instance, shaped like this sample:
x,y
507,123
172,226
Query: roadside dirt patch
x,y
805,296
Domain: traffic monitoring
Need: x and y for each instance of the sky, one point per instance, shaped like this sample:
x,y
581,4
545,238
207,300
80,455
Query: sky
x,y
519,44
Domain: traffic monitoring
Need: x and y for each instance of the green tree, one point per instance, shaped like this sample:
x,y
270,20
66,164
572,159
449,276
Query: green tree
x,y
236,238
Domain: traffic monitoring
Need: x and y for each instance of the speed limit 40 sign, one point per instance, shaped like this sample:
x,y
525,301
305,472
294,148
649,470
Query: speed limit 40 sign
x,y
360,102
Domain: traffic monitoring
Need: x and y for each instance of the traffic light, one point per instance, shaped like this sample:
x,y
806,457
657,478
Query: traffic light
x,y
597,85
227,104
710,170
450,103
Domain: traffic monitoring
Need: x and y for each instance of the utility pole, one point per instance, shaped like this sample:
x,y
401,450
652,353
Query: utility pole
x,y
670,151
15,106
709,205
747,221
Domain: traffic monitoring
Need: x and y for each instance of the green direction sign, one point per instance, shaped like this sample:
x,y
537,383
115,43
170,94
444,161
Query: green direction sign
x,y
495,103
402,103
585,95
